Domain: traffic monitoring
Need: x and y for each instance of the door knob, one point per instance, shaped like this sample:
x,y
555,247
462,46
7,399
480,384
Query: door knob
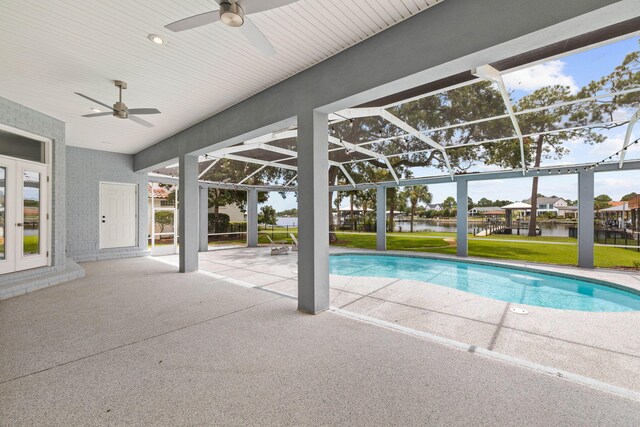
x,y
19,224
104,220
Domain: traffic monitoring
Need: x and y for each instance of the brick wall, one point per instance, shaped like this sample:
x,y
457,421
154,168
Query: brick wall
x,y
85,170
26,119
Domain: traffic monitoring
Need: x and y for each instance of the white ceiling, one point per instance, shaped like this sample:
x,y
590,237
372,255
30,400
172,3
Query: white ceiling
x,y
50,49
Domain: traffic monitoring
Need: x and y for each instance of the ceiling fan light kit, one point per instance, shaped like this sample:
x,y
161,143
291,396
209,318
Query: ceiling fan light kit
x,y
236,14
231,14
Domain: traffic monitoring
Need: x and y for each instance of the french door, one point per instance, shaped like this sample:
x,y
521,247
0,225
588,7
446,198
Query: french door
x,y
24,218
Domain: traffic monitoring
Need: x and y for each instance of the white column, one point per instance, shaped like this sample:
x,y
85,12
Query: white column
x,y
585,218
252,217
381,218
204,218
462,203
313,212
188,213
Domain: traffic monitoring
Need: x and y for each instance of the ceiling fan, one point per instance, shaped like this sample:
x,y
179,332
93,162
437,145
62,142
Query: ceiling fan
x,y
234,14
120,110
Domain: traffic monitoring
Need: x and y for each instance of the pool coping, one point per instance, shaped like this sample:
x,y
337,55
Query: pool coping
x,y
536,268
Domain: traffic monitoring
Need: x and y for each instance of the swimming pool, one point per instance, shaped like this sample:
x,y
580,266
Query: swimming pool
x,y
502,283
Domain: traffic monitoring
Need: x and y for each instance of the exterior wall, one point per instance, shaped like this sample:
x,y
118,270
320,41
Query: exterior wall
x,y
85,170
234,212
26,119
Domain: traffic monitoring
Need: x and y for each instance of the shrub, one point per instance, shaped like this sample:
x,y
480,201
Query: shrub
x,y
218,223
237,227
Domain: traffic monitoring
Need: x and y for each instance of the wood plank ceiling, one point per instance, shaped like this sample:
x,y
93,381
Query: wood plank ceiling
x,y
50,49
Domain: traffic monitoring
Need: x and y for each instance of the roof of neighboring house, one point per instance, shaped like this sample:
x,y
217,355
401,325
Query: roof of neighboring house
x,y
616,203
621,206
517,206
158,192
485,209
545,200
567,208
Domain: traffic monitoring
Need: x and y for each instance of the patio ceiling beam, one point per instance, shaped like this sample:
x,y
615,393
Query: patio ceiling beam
x,y
349,146
346,174
506,115
627,137
489,73
534,110
291,180
556,170
212,164
417,134
259,162
261,168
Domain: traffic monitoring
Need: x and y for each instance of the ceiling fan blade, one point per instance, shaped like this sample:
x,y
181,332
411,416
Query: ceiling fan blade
x,y
255,6
143,111
257,38
109,113
140,121
93,100
194,21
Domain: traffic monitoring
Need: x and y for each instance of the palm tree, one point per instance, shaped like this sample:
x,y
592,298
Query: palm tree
x,y
415,195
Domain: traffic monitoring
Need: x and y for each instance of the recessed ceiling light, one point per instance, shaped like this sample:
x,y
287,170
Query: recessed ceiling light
x,y
155,38
95,110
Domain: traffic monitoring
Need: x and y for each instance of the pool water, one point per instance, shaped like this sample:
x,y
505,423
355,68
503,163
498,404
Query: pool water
x,y
500,283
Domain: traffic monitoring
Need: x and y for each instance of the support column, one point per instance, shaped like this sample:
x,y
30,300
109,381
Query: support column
x,y
204,219
313,212
462,203
585,218
252,218
188,213
381,218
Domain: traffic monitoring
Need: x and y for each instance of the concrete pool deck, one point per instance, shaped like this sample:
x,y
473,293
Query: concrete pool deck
x,y
136,343
602,346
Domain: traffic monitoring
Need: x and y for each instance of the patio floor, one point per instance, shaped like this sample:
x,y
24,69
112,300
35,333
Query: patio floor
x,y
134,342
602,346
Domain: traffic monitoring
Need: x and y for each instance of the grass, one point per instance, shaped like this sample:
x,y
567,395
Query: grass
x,y
497,247
397,243
508,247
31,245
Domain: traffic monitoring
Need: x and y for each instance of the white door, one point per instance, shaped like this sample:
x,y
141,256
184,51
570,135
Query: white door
x,y
118,209
24,197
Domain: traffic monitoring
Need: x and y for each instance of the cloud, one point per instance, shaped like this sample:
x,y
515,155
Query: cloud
x,y
546,74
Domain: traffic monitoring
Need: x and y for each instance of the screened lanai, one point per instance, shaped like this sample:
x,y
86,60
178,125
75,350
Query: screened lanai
x,y
472,125
480,126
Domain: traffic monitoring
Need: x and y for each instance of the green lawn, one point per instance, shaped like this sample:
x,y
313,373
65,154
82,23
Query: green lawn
x,y
497,247
394,242
30,245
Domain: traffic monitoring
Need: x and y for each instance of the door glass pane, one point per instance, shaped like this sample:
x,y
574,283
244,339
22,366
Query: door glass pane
x,y
31,200
3,187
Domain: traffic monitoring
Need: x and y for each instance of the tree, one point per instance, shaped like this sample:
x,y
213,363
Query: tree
x,y
449,203
629,196
484,202
163,218
601,202
416,194
267,215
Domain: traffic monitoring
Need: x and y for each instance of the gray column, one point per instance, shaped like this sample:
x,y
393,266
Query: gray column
x,y
585,218
462,202
252,218
188,225
203,217
381,218
313,212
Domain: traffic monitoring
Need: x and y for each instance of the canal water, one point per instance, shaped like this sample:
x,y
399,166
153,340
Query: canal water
x,y
548,229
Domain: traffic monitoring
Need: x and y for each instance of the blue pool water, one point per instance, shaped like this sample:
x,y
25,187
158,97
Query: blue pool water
x,y
501,283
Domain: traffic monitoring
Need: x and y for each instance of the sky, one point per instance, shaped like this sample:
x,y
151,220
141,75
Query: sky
x,y
574,71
